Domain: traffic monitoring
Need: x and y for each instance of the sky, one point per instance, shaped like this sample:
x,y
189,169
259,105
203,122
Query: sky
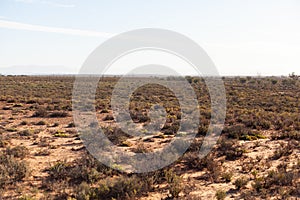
x,y
249,37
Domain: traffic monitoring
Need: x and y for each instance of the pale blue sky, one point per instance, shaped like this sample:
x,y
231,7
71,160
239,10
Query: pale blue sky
x,y
243,37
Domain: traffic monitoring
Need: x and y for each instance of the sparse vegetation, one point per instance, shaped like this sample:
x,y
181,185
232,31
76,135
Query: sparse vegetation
x,y
257,155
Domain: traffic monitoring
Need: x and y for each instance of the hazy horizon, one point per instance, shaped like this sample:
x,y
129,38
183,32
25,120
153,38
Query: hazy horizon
x,y
10,71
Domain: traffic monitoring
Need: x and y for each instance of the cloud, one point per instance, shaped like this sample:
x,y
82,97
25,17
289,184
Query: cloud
x,y
30,27
51,3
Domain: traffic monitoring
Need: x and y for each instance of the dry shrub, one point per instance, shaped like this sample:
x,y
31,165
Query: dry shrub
x,y
11,170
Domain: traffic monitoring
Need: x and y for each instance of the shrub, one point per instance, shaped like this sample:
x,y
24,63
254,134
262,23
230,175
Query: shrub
x,y
119,188
11,129
43,152
227,176
138,117
174,183
220,194
194,162
83,192
230,150
274,81
61,134
6,108
25,132
59,170
41,112
17,105
104,111
215,169
58,114
116,135
258,184
108,117
240,182
3,143
11,170
41,123
10,101
264,124
18,151
43,142
141,148
280,177
243,80
23,123
86,169
283,150
287,135
31,101
55,124
71,125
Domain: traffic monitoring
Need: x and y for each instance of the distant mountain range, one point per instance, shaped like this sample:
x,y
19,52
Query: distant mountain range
x,y
36,70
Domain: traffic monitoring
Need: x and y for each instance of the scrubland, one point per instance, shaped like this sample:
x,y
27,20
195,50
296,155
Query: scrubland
x,y
256,157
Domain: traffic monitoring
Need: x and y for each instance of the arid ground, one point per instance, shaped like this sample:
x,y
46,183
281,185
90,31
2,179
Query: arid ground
x,y
256,157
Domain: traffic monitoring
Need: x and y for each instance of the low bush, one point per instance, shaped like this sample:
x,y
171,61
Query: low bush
x,y
18,151
220,194
23,123
119,188
240,183
40,112
227,176
25,132
108,118
58,114
41,123
230,149
283,150
11,170
174,183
